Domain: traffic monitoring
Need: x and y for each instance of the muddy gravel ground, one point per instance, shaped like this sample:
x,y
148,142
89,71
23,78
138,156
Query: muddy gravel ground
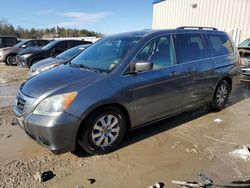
x,y
178,148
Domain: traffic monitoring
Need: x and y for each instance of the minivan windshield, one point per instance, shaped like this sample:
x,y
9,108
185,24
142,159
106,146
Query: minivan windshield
x,y
105,54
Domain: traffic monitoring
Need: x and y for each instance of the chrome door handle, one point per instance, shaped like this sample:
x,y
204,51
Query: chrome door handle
x,y
173,74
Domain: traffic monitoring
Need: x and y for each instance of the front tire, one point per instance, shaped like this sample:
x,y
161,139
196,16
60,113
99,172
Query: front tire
x,y
103,131
11,60
221,95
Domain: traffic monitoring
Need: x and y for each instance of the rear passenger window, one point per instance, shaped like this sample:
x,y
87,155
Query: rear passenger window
x,y
31,43
220,44
189,47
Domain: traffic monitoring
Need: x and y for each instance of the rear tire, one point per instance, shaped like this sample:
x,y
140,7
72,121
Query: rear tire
x,y
102,131
221,95
11,60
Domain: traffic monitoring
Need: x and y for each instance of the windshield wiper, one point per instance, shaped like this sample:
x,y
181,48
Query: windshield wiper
x,y
82,66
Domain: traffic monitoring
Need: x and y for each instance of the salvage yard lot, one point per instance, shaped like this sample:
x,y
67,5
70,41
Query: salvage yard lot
x,y
178,148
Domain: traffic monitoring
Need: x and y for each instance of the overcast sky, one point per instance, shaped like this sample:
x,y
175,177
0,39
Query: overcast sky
x,y
106,16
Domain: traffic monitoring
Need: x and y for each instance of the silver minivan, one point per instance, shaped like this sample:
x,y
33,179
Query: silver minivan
x,y
125,81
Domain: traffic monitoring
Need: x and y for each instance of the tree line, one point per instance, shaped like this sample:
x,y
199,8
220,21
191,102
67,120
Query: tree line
x,y
8,29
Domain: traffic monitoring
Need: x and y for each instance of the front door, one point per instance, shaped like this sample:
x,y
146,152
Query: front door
x,y
157,93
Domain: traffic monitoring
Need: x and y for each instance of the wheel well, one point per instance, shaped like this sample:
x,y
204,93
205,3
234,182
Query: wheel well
x,y
35,59
119,106
229,82
10,55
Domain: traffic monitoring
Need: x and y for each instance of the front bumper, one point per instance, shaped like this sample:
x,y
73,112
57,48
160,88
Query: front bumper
x,y
2,58
22,61
56,133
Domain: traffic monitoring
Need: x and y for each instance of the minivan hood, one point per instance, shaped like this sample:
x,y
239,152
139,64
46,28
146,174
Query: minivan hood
x,y
32,51
56,79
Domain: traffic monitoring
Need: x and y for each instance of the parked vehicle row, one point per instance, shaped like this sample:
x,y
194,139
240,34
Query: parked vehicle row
x,y
51,62
31,56
8,54
8,41
125,81
28,52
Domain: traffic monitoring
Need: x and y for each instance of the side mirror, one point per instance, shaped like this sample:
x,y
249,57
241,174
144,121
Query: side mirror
x,y
141,66
23,46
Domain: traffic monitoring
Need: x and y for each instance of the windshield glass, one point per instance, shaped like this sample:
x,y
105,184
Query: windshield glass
x,y
246,43
50,45
70,53
106,54
18,45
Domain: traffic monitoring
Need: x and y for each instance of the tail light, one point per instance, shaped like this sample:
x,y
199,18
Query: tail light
x,y
239,62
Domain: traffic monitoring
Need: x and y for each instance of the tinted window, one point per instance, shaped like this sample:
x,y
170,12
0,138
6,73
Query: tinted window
x,y
62,45
70,53
9,41
74,43
159,51
31,43
220,44
42,42
189,47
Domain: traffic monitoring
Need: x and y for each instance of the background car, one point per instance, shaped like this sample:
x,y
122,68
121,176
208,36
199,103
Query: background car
x,y
8,54
52,62
7,41
28,57
244,51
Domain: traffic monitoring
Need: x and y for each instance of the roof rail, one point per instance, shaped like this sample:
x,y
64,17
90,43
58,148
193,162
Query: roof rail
x,y
196,27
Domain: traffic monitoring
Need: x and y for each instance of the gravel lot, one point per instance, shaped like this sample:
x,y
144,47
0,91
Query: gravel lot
x,y
178,148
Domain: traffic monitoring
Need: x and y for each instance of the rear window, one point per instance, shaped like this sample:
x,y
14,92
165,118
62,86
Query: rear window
x,y
189,47
220,44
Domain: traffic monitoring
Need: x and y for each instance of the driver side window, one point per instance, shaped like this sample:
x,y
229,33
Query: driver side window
x,y
159,51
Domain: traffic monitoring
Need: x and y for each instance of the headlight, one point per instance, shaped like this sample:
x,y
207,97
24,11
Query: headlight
x,y
55,105
26,55
45,68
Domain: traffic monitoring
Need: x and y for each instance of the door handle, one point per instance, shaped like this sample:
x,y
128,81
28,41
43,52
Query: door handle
x,y
190,70
173,74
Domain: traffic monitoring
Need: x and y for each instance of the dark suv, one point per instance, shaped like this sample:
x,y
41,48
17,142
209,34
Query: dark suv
x,y
29,57
8,54
7,41
124,81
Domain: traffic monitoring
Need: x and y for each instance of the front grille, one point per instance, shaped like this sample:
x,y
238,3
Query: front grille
x,y
20,103
23,102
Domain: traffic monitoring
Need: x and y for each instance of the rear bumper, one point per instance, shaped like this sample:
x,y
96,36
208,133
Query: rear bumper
x,y
58,134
